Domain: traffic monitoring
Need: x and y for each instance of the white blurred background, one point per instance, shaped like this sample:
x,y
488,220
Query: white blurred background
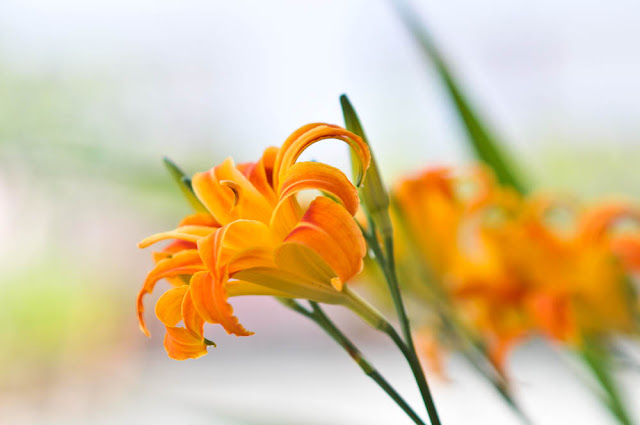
x,y
94,93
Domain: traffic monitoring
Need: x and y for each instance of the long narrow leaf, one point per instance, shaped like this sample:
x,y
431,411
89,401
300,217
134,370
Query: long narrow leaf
x,y
483,143
596,358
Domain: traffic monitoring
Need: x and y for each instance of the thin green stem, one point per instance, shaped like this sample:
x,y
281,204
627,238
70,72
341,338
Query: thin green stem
x,y
357,356
387,264
418,373
320,318
409,347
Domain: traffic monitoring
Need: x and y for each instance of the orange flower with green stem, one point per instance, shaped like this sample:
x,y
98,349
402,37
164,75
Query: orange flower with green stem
x,y
253,237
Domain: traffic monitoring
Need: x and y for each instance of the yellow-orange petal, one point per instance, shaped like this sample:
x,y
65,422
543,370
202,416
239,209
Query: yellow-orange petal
x,y
199,219
210,300
190,316
294,275
236,288
329,230
309,134
323,177
185,233
249,203
181,344
169,306
182,263
226,204
285,216
216,198
230,241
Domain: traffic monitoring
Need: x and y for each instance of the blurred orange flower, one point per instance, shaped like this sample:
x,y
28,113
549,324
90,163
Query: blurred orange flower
x,y
257,239
513,265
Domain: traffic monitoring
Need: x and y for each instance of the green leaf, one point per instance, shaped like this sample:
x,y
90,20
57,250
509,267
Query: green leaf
x,y
484,144
185,185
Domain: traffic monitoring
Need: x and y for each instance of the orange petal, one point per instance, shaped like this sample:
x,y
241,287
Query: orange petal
x,y
323,177
230,241
181,344
169,306
192,320
553,315
627,247
215,197
597,221
184,233
210,300
329,230
498,351
309,134
183,263
285,216
177,246
225,204
260,174
199,219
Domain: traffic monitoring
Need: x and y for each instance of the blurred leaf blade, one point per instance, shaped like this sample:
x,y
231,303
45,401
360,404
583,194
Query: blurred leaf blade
x,y
595,356
484,144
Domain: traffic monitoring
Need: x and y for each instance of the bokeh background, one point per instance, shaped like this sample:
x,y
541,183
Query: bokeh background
x,y
94,93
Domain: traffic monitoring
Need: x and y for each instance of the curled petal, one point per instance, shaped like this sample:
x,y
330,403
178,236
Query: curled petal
x,y
210,300
216,198
182,344
598,221
309,134
329,230
229,195
183,263
323,177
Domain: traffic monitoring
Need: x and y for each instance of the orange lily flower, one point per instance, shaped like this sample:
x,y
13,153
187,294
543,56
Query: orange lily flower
x,y
510,270
578,274
257,239
458,223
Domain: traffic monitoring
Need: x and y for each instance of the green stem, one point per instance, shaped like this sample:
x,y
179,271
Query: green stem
x,y
319,317
418,372
406,346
